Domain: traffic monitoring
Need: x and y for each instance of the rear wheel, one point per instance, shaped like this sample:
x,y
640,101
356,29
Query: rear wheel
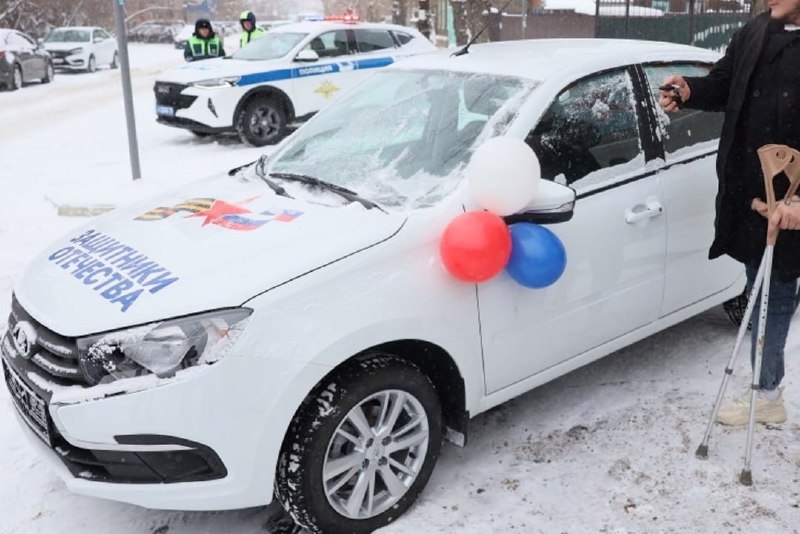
x,y
49,73
361,447
16,78
262,121
91,66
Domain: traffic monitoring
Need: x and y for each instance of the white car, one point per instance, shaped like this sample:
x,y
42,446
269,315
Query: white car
x,y
288,330
287,75
82,48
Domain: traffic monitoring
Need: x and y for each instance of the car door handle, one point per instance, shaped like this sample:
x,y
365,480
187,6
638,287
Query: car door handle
x,y
641,212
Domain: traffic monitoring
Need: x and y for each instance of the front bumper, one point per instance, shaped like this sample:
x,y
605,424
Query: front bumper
x,y
69,62
206,439
202,110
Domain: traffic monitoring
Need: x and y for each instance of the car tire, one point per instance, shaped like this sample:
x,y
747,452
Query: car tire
x,y
262,121
115,61
321,436
49,73
91,66
16,79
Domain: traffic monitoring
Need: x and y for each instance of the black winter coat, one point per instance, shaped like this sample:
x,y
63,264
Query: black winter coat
x,y
740,232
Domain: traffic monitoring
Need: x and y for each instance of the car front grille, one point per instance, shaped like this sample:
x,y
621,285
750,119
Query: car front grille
x,y
169,94
59,54
55,357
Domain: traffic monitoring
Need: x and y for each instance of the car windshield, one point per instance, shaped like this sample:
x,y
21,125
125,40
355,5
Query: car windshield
x,y
272,45
402,136
68,36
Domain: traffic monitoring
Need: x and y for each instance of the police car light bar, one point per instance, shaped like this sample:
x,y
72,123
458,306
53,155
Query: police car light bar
x,y
335,18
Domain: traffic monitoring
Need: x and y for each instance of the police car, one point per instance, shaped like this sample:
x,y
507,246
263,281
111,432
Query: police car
x,y
287,75
288,330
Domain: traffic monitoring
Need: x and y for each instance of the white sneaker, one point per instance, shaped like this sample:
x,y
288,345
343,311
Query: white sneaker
x,y
736,412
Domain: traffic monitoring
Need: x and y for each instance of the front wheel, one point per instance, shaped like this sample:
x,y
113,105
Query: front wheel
x,y
49,73
262,122
361,447
115,61
92,65
16,78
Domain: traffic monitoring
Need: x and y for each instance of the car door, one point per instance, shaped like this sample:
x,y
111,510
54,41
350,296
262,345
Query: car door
x,y
25,50
688,149
588,139
376,49
105,48
315,84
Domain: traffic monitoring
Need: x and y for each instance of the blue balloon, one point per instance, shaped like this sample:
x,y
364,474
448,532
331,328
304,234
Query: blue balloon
x,y
538,258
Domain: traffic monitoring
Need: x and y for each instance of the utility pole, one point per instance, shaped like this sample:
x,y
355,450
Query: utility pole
x,y
127,92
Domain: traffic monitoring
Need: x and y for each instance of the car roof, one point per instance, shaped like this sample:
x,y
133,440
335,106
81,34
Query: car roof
x,y
538,59
313,26
78,28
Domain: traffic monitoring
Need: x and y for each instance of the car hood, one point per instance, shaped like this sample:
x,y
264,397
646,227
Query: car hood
x,y
209,245
218,68
61,47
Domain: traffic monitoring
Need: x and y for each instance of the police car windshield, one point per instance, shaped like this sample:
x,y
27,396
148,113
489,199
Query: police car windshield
x,y
273,45
402,137
68,36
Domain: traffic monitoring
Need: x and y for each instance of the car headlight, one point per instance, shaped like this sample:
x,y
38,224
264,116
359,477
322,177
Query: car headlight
x,y
161,348
76,51
214,83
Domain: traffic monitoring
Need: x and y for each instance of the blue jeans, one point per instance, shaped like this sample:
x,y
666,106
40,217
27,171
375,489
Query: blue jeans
x,y
781,307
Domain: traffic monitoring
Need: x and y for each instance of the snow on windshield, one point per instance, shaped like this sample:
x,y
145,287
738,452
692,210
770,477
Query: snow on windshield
x,y
68,36
401,138
272,45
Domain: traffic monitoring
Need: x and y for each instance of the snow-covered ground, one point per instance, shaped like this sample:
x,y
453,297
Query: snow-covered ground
x,y
608,448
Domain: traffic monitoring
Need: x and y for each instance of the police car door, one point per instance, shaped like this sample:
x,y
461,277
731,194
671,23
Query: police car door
x,y
376,48
588,139
315,84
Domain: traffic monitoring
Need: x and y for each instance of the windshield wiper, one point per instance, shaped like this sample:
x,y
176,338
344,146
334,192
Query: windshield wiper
x,y
259,169
352,196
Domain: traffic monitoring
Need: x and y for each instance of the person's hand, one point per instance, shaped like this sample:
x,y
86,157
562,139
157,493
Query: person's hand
x,y
761,207
666,100
785,217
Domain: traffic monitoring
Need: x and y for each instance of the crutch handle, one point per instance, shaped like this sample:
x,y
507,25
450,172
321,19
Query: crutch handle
x,y
776,159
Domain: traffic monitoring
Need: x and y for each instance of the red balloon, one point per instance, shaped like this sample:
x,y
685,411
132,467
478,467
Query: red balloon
x,y
475,246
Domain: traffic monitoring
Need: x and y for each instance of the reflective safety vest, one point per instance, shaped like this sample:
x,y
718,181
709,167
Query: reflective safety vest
x,y
205,47
246,37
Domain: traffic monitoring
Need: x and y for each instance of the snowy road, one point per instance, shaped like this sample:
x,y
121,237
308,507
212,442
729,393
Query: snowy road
x,y
608,448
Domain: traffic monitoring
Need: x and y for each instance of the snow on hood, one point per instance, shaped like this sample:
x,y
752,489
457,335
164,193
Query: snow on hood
x,y
59,47
218,68
209,245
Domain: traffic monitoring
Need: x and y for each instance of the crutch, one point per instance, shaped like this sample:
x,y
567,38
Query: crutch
x,y
774,160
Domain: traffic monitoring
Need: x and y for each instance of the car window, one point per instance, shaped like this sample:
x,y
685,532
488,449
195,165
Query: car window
x,y
272,45
403,38
591,126
97,35
330,44
68,36
372,40
688,130
20,40
104,34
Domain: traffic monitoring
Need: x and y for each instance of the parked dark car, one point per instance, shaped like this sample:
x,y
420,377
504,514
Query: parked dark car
x,y
22,60
155,31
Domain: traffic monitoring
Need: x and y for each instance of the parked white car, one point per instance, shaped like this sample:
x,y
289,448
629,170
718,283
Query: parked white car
x,y
82,48
287,75
288,330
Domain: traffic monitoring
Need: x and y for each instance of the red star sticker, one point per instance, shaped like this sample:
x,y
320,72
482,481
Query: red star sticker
x,y
219,209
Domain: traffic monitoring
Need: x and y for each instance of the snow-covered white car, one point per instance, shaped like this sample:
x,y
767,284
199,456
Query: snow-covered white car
x,y
82,48
285,76
287,330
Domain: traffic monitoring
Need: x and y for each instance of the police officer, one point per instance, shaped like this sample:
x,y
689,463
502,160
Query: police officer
x,y
251,32
204,43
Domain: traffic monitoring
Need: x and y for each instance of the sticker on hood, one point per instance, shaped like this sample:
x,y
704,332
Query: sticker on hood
x,y
233,216
115,271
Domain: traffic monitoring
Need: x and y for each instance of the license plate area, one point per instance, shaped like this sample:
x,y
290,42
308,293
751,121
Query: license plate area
x,y
165,111
31,407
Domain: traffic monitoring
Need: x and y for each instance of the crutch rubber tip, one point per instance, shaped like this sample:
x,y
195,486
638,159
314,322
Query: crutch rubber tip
x,y
746,478
702,452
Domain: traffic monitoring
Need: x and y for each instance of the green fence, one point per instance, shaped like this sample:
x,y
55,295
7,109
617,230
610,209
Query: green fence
x,y
707,30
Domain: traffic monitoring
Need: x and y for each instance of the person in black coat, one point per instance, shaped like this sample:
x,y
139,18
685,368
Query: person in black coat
x,y
757,85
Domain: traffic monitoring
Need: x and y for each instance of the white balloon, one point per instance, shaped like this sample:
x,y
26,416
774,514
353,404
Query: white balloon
x,y
504,175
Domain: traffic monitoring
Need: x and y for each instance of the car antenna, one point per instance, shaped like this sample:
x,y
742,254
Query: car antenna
x,y
465,50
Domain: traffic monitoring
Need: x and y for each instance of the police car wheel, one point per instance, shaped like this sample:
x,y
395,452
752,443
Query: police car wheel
x,y
361,447
262,122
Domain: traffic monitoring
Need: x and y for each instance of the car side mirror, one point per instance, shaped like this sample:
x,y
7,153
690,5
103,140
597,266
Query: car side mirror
x,y
307,56
554,203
